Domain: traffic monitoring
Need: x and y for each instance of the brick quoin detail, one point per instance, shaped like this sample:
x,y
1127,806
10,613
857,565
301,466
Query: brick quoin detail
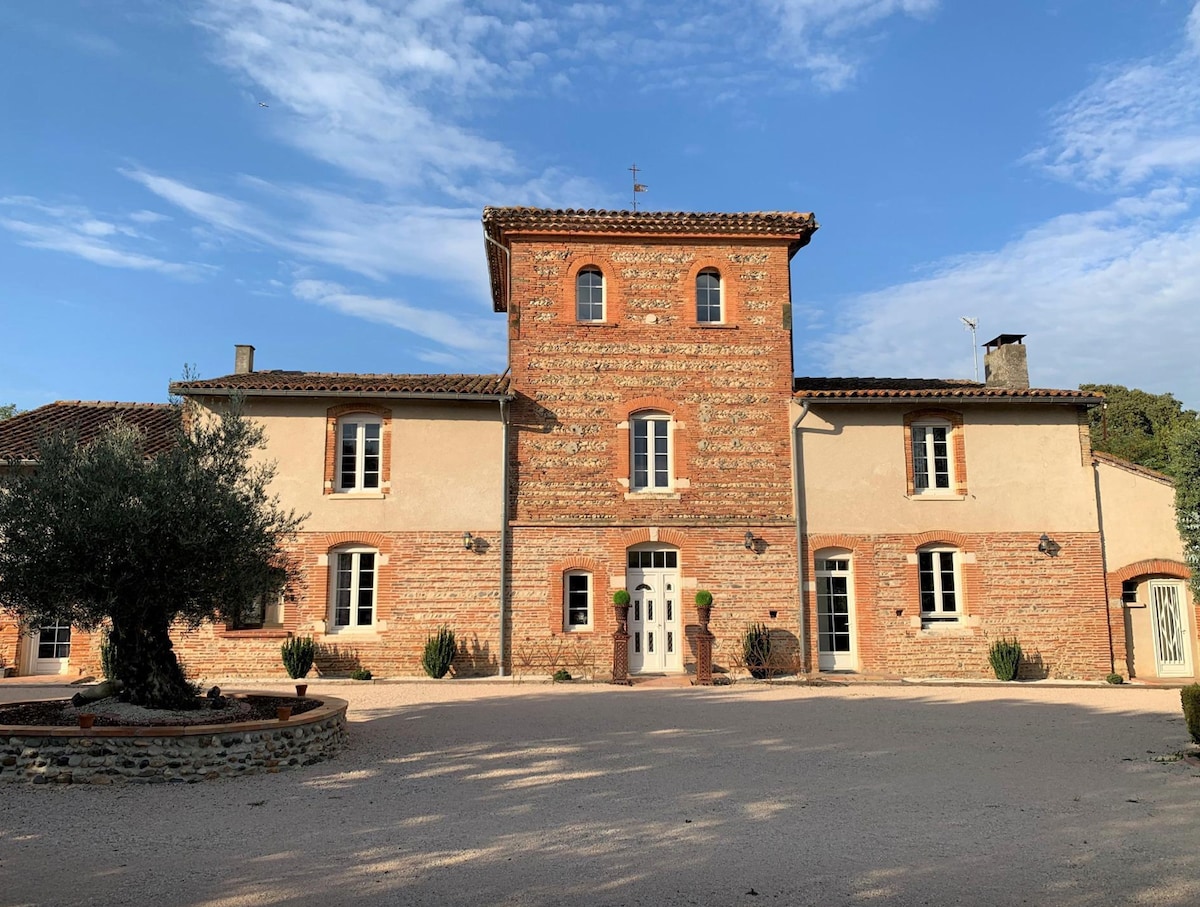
x,y
1156,566
555,604
957,445
385,442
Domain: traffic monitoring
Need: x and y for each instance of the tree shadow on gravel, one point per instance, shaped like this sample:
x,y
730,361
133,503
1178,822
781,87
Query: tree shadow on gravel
x,y
595,795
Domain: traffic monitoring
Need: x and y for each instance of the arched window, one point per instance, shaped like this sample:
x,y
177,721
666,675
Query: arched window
x,y
353,583
359,452
589,295
577,600
940,584
650,454
708,297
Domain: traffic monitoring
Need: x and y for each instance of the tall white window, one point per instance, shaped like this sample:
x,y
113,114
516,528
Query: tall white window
x,y
708,297
589,295
650,435
577,600
933,469
353,584
941,600
360,448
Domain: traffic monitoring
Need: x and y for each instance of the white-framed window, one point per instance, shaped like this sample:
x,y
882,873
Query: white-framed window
x,y
589,295
833,605
708,297
933,463
650,456
353,585
360,453
940,583
577,600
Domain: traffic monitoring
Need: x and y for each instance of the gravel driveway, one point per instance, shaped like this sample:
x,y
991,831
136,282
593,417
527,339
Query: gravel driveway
x,y
495,794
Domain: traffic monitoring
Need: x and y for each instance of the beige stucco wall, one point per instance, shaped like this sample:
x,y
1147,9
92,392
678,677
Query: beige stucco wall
x,y
1139,517
1025,471
446,466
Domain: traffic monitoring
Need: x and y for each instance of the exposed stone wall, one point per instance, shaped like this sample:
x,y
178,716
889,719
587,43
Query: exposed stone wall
x,y
137,755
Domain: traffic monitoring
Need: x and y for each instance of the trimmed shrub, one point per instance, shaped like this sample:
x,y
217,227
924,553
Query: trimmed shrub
x,y
107,668
360,674
562,675
703,598
621,597
756,650
439,653
1114,678
298,654
1005,658
1190,696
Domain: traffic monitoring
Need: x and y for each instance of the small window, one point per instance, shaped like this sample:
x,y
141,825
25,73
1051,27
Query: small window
x,y
940,597
359,453
1129,591
589,295
708,297
577,601
650,458
665,559
353,585
932,464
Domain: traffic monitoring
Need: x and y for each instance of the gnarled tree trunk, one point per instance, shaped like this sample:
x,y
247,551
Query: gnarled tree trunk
x,y
144,660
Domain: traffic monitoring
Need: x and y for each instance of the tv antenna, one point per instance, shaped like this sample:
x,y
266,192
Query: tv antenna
x,y
971,325
637,187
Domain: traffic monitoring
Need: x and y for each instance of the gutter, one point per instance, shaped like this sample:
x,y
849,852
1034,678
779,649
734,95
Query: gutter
x,y
961,400
501,647
358,395
798,481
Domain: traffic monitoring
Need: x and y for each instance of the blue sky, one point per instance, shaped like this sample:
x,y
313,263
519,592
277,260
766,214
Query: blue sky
x,y
1031,164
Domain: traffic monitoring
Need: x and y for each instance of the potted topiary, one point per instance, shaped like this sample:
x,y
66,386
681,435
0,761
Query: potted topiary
x,y
703,607
756,650
621,608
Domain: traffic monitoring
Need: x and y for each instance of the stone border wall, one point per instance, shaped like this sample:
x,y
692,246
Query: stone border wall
x,y
115,755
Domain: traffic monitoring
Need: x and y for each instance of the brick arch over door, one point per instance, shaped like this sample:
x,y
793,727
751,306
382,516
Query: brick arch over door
x,y
1150,567
673,537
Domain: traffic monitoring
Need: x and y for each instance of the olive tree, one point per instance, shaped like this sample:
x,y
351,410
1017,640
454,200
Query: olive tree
x,y
1185,470
101,533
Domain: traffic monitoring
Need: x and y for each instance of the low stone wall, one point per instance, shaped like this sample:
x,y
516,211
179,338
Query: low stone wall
x,y
115,755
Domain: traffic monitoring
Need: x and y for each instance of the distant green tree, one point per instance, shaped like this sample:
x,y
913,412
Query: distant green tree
x,y
1136,425
103,533
7,411
1185,468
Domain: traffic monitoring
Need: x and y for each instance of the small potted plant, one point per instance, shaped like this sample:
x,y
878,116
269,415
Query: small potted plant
x,y
298,654
703,607
621,608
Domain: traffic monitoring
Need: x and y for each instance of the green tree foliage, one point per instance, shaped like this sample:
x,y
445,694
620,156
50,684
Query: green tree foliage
x,y
1185,469
7,411
1136,425
104,533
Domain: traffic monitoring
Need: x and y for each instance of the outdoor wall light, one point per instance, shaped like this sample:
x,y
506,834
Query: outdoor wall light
x,y
748,541
1048,546
468,541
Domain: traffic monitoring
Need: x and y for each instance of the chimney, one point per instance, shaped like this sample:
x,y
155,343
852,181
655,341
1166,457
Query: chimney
x,y
1004,363
243,359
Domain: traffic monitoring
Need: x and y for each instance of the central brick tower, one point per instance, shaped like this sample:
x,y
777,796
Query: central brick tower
x,y
650,445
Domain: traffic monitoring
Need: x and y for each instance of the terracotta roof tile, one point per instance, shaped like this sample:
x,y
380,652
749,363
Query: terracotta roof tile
x,y
884,389
340,383
1130,466
497,222
19,436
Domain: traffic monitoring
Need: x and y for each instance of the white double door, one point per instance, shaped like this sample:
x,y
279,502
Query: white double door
x,y
655,628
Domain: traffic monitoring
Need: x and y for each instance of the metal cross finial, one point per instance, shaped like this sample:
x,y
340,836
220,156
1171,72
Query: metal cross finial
x,y
637,187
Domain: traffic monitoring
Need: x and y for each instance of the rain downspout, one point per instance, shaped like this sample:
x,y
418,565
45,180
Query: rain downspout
x,y
798,479
501,647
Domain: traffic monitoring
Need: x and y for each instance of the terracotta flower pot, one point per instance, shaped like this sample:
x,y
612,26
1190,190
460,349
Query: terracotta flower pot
x,y
283,712
704,614
86,721
301,689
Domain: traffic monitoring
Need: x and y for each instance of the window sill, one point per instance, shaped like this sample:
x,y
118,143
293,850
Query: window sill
x,y
256,633
353,632
357,495
596,324
937,496
574,630
712,327
653,496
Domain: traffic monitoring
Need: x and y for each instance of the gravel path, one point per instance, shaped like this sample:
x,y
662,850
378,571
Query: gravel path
x,y
494,794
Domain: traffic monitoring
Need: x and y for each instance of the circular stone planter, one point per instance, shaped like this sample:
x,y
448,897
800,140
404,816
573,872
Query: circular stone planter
x,y
199,752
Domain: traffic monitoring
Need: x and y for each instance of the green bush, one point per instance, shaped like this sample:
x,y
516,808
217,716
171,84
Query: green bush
x,y
621,598
1114,678
1005,658
703,598
756,650
298,654
360,674
1190,695
439,653
562,675
107,668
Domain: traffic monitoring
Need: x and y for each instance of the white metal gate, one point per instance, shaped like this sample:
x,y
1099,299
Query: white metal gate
x,y
1169,624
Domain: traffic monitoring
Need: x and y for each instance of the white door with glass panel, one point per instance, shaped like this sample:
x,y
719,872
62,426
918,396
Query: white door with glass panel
x,y
835,616
1169,624
655,628
51,649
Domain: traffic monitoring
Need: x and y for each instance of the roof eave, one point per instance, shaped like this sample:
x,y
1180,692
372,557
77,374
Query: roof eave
x,y
289,392
958,399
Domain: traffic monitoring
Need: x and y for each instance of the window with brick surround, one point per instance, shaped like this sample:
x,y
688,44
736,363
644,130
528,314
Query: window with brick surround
x,y
650,452
708,297
932,458
263,612
577,600
589,295
353,582
940,585
359,453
